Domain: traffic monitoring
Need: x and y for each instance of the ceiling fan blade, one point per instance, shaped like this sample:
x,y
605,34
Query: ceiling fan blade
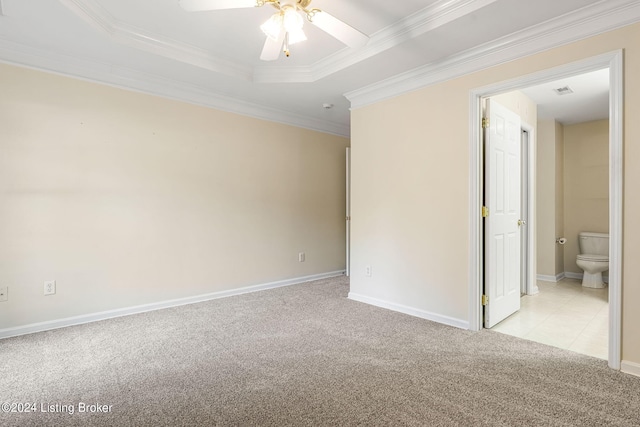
x,y
197,5
338,29
272,48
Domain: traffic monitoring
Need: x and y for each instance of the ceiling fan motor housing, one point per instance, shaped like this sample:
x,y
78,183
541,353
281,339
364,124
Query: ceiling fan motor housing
x,y
300,4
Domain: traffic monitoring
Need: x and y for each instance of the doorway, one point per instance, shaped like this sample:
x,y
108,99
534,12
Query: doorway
x,y
612,61
571,178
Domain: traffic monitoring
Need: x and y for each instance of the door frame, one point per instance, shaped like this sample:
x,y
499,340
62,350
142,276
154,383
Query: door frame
x,y
529,180
348,212
614,62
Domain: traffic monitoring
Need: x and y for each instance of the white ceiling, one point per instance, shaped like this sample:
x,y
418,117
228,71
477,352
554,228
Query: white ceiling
x,y
212,58
589,100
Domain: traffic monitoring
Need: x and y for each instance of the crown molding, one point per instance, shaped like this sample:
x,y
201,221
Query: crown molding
x,y
137,81
606,15
276,74
425,20
96,16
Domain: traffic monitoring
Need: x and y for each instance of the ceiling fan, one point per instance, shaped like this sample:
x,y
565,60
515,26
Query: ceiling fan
x,y
284,28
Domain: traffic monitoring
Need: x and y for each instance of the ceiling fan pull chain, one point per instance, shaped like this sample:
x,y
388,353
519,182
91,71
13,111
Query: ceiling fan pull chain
x,y
285,46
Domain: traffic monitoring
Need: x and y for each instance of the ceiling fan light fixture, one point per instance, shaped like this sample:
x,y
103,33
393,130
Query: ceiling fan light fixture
x,y
292,19
284,28
296,35
292,22
273,26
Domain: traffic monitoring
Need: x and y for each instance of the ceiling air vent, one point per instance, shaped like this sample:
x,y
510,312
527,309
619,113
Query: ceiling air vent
x,y
565,90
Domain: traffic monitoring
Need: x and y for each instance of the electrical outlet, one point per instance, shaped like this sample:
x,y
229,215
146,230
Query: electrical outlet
x,y
50,287
367,271
301,257
4,293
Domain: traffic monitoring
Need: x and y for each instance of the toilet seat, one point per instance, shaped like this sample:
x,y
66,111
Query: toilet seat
x,y
591,257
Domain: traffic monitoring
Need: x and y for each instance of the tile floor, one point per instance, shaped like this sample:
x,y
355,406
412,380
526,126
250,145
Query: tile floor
x,y
564,315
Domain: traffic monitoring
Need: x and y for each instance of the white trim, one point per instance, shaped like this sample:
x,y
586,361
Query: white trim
x,y
280,74
613,61
476,229
531,285
554,279
432,17
610,13
138,81
411,311
572,275
616,198
579,276
631,368
348,211
95,317
96,16
589,21
421,22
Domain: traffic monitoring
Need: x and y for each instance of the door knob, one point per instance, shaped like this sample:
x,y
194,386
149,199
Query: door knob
x,y
521,222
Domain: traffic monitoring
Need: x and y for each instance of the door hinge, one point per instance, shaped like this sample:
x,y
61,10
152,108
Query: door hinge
x,y
485,212
485,300
485,123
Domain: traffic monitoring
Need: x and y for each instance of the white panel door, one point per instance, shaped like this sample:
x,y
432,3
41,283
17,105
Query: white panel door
x,y
502,197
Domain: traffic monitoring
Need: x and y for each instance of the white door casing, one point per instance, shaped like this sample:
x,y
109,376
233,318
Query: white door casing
x,y
526,138
614,62
348,212
502,225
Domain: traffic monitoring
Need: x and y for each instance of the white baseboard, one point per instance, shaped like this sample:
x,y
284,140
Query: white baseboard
x,y
568,275
572,275
462,324
554,279
103,315
630,368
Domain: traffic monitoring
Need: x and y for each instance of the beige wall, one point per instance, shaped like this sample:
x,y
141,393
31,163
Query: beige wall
x,y
410,187
560,202
586,172
127,199
546,198
549,198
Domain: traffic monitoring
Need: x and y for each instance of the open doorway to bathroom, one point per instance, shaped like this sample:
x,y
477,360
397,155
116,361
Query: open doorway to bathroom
x,y
613,61
572,197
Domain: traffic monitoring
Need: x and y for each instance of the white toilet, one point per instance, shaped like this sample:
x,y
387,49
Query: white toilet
x,y
593,258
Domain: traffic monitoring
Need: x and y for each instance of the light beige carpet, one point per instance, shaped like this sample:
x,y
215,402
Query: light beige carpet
x,y
303,355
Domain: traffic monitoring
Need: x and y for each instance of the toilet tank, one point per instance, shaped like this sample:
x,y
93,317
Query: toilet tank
x,y
593,243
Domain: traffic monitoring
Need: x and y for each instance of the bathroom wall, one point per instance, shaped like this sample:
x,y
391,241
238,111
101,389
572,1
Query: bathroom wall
x,y
586,186
559,193
549,198
546,198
